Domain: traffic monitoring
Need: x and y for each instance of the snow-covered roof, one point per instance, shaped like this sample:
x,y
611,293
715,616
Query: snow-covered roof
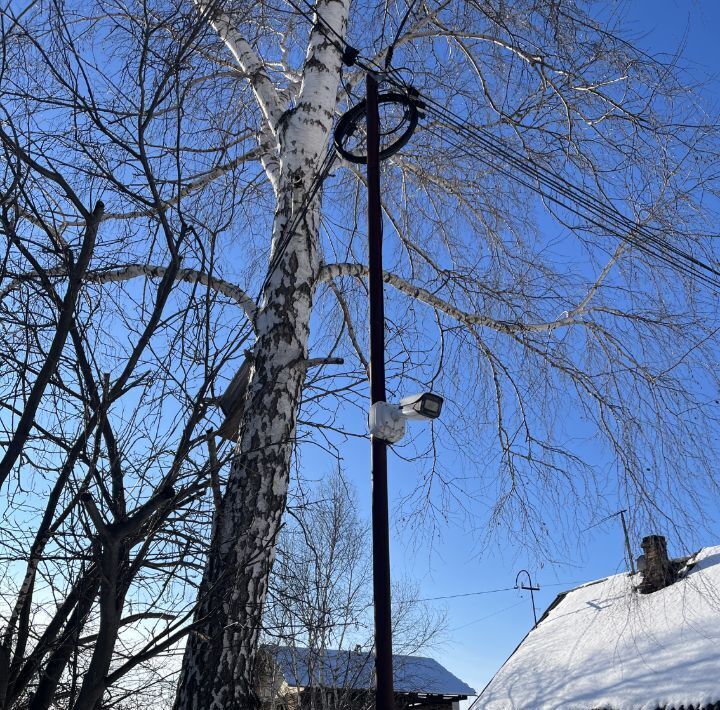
x,y
349,669
603,645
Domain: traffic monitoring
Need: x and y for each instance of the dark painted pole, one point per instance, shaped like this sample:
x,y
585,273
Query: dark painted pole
x,y
532,599
529,588
628,549
380,524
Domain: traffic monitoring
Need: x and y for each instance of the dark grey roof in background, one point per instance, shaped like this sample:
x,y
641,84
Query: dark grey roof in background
x,y
350,669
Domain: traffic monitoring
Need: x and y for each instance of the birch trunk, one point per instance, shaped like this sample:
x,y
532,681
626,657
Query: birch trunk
x,y
218,667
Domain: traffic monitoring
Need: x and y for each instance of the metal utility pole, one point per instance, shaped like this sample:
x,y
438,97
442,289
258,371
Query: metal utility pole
x,y
628,549
384,699
530,588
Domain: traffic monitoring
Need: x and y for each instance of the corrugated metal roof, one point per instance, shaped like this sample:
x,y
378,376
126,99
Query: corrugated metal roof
x,y
350,669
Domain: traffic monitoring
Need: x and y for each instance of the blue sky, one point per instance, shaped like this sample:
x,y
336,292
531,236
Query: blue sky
x,y
484,625
483,629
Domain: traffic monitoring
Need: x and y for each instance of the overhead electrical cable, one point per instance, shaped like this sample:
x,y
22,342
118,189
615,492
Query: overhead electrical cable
x,y
289,230
542,180
579,195
336,39
523,163
466,594
602,223
349,54
393,44
487,616
603,218
612,219
481,592
319,20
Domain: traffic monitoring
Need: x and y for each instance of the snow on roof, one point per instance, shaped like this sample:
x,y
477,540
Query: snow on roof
x,y
603,645
349,669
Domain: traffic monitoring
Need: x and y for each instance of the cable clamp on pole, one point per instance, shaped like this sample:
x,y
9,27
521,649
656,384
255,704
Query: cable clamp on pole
x,y
350,55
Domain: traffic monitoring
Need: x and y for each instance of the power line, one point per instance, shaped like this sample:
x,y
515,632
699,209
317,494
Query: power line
x,y
349,54
289,230
577,200
601,221
487,616
602,520
393,44
654,243
614,221
482,592
466,594
320,20
336,37
659,249
554,182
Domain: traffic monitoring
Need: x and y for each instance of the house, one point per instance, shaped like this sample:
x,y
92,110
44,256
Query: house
x,y
295,678
648,641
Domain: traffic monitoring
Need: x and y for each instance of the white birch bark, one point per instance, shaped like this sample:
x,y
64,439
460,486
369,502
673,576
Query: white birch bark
x,y
218,665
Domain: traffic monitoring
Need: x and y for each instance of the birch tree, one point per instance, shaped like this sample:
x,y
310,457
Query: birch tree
x,y
178,145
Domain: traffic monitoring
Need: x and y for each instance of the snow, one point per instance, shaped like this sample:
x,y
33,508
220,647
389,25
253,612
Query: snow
x,y
352,669
606,646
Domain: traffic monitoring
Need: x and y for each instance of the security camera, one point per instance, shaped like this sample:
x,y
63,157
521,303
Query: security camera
x,y
387,421
421,406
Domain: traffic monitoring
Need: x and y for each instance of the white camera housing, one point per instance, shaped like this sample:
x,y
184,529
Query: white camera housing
x,y
387,421
426,405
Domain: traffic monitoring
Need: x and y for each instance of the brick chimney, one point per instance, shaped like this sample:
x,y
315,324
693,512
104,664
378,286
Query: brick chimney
x,y
657,571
